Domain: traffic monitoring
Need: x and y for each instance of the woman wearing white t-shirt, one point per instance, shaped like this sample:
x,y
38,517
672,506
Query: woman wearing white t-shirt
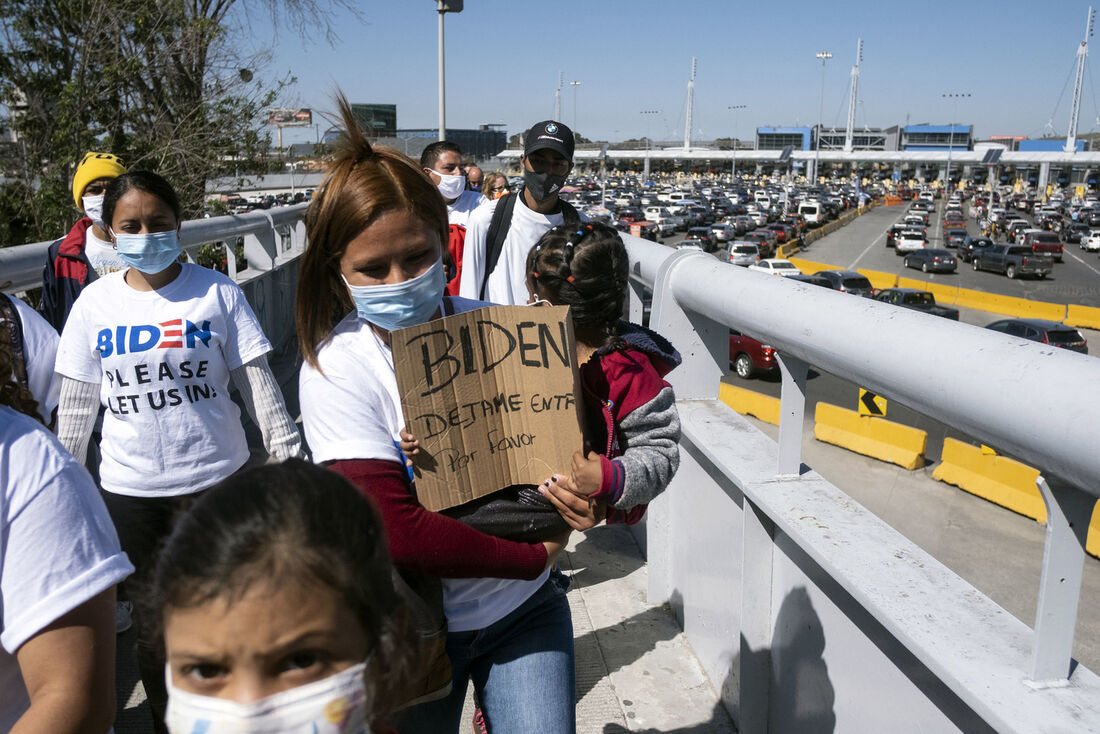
x,y
376,231
156,345
59,564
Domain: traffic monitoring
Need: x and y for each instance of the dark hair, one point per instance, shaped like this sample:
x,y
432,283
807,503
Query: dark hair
x,y
432,153
583,266
13,393
362,184
146,181
286,522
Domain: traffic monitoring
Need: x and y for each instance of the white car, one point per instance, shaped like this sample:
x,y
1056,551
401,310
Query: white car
x,y
743,253
1092,243
776,266
908,242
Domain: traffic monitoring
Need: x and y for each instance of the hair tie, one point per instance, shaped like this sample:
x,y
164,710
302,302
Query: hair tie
x,y
569,278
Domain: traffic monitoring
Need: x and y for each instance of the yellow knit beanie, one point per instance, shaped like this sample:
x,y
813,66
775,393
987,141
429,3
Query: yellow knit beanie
x,y
94,166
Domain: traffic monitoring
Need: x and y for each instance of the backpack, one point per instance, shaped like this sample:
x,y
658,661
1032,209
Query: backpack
x,y
498,232
9,319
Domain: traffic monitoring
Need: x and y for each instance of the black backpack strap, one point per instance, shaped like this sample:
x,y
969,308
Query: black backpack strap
x,y
494,238
569,212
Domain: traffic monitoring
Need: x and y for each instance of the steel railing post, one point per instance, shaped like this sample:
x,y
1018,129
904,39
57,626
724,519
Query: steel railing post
x,y
1068,514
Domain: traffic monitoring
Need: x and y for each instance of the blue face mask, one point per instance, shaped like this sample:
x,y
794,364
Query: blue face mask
x,y
400,305
149,253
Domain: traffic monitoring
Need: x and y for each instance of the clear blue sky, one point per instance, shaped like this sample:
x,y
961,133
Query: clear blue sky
x,y
1016,59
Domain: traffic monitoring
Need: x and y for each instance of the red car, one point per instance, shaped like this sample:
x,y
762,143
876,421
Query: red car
x,y
748,357
781,230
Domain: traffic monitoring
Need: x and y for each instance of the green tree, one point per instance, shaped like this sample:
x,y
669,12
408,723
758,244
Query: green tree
x,y
164,84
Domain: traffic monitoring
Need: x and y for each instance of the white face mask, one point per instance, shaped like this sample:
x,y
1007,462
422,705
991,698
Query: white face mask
x,y
334,705
451,187
93,209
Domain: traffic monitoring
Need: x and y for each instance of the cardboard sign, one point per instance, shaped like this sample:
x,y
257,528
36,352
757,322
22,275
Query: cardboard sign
x,y
491,397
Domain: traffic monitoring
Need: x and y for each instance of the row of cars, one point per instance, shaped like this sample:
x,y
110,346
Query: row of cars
x,y
750,358
1031,251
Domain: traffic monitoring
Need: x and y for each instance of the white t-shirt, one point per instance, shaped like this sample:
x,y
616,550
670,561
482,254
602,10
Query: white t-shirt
x,y
459,210
40,349
58,548
162,359
507,284
102,254
353,411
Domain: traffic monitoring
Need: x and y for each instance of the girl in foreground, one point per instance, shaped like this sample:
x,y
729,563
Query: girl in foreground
x,y
376,228
274,600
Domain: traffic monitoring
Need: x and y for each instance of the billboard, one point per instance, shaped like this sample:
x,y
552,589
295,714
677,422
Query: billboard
x,y
290,117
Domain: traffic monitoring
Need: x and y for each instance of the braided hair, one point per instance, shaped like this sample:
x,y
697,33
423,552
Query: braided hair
x,y
583,266
12,392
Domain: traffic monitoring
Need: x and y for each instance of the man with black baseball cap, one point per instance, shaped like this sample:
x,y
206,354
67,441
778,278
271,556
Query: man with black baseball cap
x,y
499,235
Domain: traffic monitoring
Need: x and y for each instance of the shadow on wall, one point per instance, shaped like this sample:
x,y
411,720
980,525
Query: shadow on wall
x,y
794,664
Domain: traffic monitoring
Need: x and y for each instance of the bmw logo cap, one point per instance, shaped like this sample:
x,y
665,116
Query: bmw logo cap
x,y
549,134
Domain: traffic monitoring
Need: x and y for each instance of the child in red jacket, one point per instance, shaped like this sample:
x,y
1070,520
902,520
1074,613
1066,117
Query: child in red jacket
x,y
630,418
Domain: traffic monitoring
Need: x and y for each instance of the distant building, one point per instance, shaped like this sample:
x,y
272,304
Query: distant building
x,y
876,138
1047,145
937,137
485,142
778,138
377,120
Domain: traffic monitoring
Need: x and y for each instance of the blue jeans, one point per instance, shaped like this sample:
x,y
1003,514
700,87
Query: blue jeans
x,y
522,669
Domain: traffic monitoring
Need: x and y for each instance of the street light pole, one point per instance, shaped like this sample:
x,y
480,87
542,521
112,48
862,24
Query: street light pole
x,y
954,97
574,84
647,113
824,56
444,6
733,167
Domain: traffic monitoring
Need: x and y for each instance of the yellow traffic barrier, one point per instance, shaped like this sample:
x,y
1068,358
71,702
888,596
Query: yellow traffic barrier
x,y
809,266
879,279
1093,543
945,294
1010,306
870,436
999,479
1087,317
750,402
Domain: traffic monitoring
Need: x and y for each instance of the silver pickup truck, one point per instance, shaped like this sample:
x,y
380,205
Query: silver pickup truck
x,y
1013,261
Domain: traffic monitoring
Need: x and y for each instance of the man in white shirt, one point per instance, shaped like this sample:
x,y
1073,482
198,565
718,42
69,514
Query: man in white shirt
x,y
498,274
442,161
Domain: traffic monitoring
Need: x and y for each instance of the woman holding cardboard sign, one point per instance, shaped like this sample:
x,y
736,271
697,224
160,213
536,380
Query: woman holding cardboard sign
x,y
374,264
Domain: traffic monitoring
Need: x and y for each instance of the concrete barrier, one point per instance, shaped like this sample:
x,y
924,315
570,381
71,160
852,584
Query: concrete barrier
x,y
750,402
870,436
1093,544
1087,317
809,266
1010,306
1000,480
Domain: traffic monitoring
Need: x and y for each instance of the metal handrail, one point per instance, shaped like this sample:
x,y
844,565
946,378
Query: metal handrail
x,y
21,265
1013,394
1010,393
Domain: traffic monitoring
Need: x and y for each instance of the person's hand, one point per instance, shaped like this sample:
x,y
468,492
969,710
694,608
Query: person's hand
x,y
555,546
587,473
410,447
578,511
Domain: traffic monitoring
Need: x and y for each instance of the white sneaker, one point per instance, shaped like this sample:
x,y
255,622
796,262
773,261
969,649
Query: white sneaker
x,y
123,616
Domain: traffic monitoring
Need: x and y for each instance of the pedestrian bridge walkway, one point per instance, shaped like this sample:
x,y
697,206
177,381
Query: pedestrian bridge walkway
x,y
795,608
